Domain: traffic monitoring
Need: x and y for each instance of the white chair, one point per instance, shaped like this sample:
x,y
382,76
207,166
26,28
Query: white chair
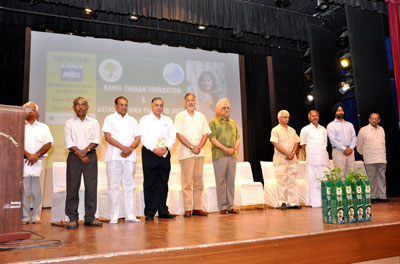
x,y
270,183
247,192
270,188
209,193
59,195
175,199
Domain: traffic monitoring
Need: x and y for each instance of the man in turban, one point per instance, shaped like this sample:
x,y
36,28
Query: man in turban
x,y
225,144
343,139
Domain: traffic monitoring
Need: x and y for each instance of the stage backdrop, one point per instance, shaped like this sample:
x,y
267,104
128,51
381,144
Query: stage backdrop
x,y
64,67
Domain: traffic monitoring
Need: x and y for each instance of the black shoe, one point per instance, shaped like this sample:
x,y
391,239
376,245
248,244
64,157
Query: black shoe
x,y
149,218
283,206
95,222
295,207
383,201
374,201
167,216
72,225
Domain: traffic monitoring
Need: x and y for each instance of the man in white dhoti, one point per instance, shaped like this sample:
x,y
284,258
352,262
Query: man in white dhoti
x,y
314,137
121,131
38,141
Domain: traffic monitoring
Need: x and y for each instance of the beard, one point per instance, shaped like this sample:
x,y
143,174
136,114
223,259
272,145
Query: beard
x,y
340,116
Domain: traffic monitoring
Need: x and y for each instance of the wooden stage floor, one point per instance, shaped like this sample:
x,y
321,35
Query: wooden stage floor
x,y
253,236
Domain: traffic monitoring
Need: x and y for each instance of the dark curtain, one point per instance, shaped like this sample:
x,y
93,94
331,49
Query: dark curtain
x,y
258,113
394,27
234,14
290,93
12,54
372,84
63,19
325,72
378,6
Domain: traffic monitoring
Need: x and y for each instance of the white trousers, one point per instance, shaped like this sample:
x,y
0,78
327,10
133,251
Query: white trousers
x,y
286,182
313,187
121,171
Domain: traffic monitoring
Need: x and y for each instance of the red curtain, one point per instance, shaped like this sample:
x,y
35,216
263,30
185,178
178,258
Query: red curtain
x,y
394,25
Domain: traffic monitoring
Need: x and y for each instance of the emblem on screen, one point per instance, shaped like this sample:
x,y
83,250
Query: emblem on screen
x,y
110,70
71,72
173,74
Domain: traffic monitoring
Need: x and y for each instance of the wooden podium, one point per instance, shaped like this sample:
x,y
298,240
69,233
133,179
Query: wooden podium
x,y
12,132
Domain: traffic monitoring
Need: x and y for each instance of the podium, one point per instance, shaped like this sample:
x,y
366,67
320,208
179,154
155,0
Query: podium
x,y
12,132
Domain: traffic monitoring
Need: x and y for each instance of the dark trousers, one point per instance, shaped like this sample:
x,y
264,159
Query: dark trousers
x,y
75,168
155,182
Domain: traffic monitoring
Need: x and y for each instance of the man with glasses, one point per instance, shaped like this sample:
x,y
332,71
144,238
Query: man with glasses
x,y
38,141
371,144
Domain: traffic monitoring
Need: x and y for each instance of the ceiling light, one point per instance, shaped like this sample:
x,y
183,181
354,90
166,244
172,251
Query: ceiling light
x,y
88,11
133,17
322,5
310,98
345,62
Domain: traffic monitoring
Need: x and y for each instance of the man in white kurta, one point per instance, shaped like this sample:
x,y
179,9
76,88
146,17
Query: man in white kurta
x,y
38,141
371,144
286,142
315,138
121,132
192,131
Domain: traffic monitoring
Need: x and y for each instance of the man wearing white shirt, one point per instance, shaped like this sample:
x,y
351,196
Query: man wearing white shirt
x,y
38,141
192,131
371,144
343,139
158,136
286,142
314,138
121,131
81,137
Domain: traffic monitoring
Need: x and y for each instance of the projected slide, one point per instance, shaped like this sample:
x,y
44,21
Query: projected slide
x,y
64,67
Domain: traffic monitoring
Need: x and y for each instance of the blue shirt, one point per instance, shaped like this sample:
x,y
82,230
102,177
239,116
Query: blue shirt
x,y
342,134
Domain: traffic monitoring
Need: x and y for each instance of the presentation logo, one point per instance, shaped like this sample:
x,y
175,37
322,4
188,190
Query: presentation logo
x,y
110,70
71,72
173,74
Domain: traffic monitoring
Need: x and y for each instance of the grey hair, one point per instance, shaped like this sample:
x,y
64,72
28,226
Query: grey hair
x,y
28,103
282,112
309,113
